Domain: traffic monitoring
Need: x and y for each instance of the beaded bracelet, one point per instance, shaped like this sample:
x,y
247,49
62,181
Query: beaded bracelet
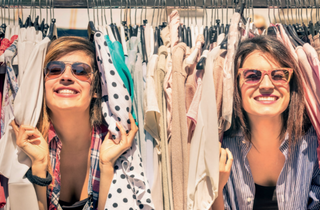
x,y
37,180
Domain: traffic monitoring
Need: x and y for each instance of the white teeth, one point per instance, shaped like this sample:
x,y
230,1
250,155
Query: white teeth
x,y
66,91
266,98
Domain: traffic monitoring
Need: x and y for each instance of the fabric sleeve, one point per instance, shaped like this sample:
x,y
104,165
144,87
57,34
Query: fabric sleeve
x,y
314,193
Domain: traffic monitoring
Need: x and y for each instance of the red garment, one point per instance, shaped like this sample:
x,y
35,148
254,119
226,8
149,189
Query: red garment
x,y
5,43
2,197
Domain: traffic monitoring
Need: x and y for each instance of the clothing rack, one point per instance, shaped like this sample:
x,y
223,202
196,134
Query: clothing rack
x,y
117,3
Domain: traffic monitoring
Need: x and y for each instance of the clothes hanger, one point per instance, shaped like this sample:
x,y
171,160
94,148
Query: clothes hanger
x,y
114,27
271,31
180,28
189,38
91,28
202,62
292,36
123,29
143,39
222,19
3,14
160,42
156,44
41,26
310,25
134,28
19,18
52,33
185,38
213,30
104,23
227,16
46,25
317,24
240,10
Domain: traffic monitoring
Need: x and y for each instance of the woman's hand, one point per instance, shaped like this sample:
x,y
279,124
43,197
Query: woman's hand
x,y
30,140
110,151
225,164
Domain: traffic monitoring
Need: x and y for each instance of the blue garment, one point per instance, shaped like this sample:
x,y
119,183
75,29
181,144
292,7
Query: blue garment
x,y
118,60
298,186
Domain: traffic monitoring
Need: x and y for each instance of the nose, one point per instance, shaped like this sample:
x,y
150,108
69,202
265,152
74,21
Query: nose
x,y
67,74
266,83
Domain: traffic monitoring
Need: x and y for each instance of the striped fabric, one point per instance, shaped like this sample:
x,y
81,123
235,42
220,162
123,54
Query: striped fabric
x,y
298,185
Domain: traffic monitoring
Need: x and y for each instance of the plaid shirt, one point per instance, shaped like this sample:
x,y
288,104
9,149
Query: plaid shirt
x,y
55,146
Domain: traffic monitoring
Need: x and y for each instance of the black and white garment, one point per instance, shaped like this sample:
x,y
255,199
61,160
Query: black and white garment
x,y
116,103
129,188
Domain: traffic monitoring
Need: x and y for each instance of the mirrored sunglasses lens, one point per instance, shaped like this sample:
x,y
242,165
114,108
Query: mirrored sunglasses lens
x,y
82,71
54,69
252,76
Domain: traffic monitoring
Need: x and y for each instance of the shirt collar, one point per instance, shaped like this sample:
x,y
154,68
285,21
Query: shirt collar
x,y
52,134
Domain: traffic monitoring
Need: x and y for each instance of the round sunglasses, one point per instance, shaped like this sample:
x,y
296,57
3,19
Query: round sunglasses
x,y
81,71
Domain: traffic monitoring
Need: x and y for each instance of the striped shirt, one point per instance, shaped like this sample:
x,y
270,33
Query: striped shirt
x,y
55,146
298,186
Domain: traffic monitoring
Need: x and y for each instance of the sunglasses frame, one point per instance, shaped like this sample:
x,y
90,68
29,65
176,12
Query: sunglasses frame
x,y
264,72
68,63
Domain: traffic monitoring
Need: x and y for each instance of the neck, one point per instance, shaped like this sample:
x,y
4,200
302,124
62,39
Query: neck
x,y
74,130
265,132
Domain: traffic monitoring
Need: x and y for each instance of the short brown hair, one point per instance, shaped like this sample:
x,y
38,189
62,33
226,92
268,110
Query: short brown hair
x,y
59,48
295,120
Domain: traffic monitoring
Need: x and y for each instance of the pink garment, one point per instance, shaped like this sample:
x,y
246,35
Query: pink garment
x,y
174,24
310,76
194,106
286,41
191,86
2,197
313,59
312,105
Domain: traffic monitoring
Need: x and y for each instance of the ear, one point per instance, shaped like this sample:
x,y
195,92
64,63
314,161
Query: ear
x,y
95,95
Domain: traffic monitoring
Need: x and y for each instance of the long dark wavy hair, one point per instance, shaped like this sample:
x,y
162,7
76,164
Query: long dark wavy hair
x,y
294,118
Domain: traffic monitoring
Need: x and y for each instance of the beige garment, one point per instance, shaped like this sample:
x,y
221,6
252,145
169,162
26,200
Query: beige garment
x,y
179,138
316,40
228,71
218,83
203,177
150,103
160,74
191,82
163,144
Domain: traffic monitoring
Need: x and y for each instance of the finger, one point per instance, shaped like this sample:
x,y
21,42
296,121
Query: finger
x,y
26,127
222,161
107,136
15,127
122,132
230,160
134,128
25,137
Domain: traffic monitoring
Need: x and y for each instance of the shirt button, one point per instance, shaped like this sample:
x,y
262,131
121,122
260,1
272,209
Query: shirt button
x,y
249,200
243,141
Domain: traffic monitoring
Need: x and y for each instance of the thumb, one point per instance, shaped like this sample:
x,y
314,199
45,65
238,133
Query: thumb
x,y
15,127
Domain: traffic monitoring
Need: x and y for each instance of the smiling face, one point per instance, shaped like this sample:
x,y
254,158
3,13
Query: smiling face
x,y
67,92
263,99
